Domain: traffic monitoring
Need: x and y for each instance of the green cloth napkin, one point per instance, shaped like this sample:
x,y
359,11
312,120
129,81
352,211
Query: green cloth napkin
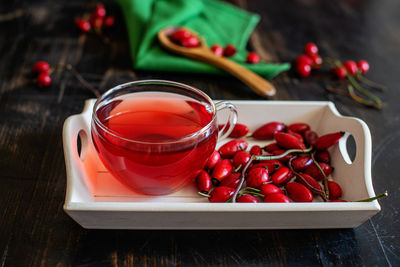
x,y
218,22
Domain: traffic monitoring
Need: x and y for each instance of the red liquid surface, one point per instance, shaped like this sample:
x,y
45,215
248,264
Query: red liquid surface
x,y
141,147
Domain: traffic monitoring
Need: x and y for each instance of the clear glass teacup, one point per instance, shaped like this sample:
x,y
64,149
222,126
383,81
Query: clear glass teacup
x,y
155,136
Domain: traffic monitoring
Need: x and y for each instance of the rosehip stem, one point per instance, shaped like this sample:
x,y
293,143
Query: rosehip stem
x,y
360,100
370,83
354,83
242,178
325,182
313,189
82,80
384,194
203,195
258,157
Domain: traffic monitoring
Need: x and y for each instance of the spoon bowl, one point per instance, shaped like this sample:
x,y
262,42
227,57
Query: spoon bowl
x,y
204,54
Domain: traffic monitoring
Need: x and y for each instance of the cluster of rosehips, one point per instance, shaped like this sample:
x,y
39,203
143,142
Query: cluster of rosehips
x,y
42,70
312,60
282,171
185,38
308,61
350,67
97,21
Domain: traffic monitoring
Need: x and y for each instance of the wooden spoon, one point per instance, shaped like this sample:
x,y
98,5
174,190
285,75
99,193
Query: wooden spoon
x,y
203,53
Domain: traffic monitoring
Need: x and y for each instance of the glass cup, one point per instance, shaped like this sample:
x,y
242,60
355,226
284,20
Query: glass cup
x,y
155,136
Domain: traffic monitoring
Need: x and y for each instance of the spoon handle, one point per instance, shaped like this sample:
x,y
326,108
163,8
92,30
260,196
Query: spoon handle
x,y
254,81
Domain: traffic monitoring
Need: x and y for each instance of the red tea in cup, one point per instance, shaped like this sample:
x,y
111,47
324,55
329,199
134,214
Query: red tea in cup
x,y
154,138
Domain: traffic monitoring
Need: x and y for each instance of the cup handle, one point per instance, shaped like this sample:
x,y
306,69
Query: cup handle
x,y
232,118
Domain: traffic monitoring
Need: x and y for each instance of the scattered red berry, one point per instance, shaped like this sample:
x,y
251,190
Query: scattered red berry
x,y
41,67
109,21
191,41
217,50
351,67
363,66
230,50
100,11
340,72
303,69
304,59
253,58
311,49
179,35
83,25
43,80
316,61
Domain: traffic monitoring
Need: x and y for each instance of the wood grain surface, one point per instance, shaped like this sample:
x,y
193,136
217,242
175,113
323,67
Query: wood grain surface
x,y
35,231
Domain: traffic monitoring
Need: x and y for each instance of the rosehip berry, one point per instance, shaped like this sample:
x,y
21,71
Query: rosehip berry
x,y
311,49
221,171
100,11
246,198
310,137
299,127
335,191
266,131
213,160
297,135
83,25
304,59
43,80
191,41
301,163
253,58
217,50
314,171
233,180
256,150
272,147
267,189
221,194
303,69
328,140
323,156
40,67
241,158
97,22
276,198
363,66
340,72
288,141
307,179
256,177
180,35
281,176
351,67
299,192
203,182
229,149
230,50
316,61
240,130
109,21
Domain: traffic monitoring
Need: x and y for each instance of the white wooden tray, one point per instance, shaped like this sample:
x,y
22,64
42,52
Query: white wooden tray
x,y
95,199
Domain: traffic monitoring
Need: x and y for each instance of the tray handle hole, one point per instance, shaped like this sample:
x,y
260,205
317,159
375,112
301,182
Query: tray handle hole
x,y
82,141
348,148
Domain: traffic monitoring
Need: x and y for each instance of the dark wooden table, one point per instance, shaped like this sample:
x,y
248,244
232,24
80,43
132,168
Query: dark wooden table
x,y
35,231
